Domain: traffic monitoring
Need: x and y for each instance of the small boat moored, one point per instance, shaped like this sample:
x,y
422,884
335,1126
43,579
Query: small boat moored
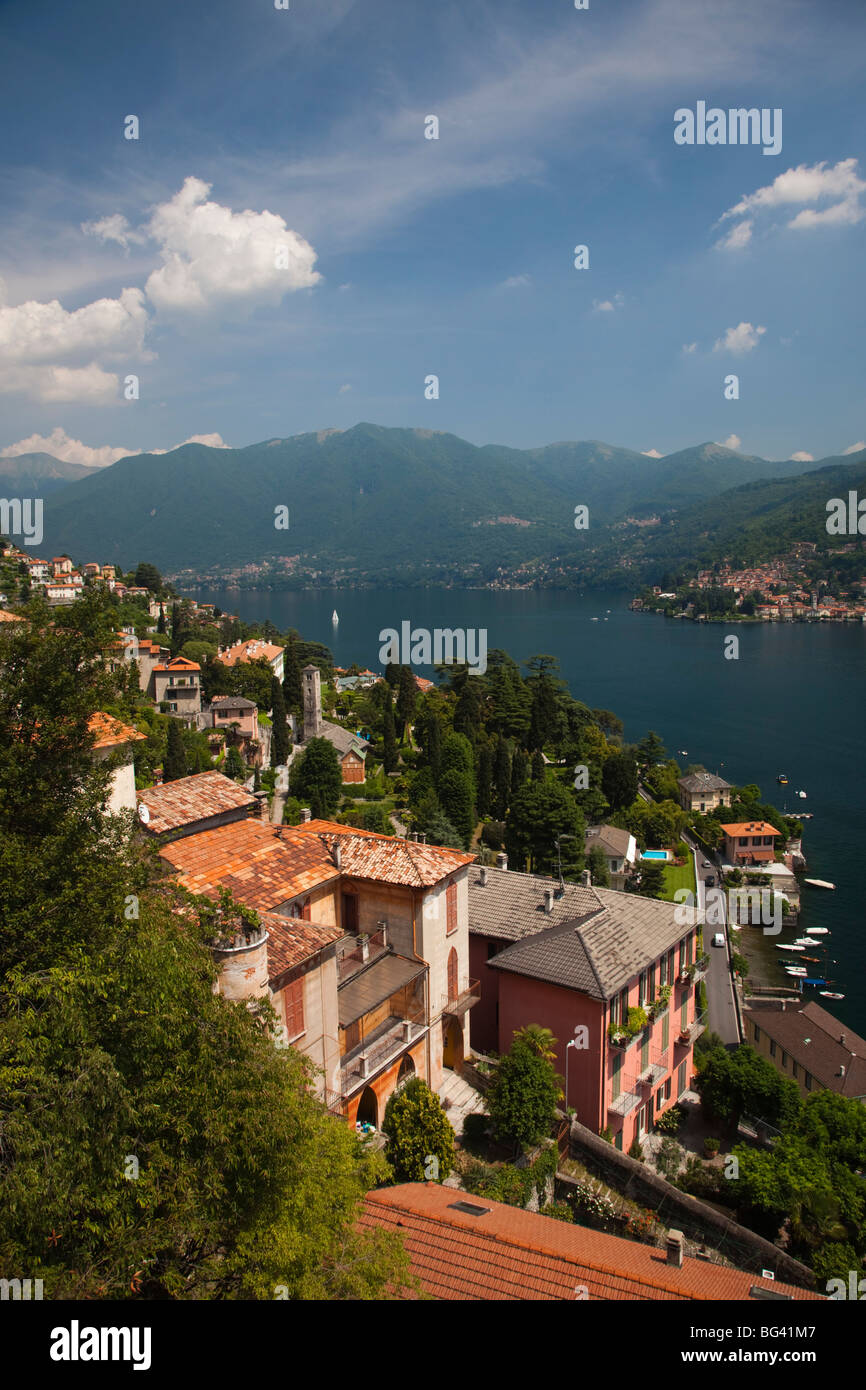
x,y
782,780
830,994
780,947
817,931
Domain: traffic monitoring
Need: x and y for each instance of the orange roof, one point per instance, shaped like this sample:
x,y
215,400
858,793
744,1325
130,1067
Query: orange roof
x,y
256,649
179,663
506,1253
292,941
386,858
189,799
751,827
7,617
108,731
263,868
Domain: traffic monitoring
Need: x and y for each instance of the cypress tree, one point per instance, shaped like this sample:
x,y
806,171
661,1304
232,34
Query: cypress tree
x,y
501,778
389,752
407,695
537,766
280,732
519,770
292,677
174,763
484,781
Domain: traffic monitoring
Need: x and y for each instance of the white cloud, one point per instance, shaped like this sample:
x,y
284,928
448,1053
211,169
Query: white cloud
x,y
806,184
854,448
113,228
213,441
802,457
690,347
50,354
733,441
347,386
738,237
608,306
516,282
59,444
214,258
651,454
743,338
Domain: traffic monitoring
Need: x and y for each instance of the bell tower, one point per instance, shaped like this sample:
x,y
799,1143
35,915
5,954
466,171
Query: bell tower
x,y
312,702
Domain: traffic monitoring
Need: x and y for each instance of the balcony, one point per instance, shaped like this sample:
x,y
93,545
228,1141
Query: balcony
x,y
465,998
379,1050
353,952
625,1103
691,974
653,1074
622,1039
691,1031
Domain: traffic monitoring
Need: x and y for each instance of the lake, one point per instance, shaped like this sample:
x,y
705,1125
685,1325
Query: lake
x,y
791,703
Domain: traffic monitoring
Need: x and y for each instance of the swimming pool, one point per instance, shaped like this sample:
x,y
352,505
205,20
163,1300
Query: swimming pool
x,y
654,854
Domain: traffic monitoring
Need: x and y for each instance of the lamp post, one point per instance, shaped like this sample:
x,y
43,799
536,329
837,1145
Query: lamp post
x,y
572,1042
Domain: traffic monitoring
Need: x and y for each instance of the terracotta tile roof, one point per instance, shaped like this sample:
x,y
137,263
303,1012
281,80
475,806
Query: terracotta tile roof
x,y
292,941
750,827
108,731
254,650
386,858
263,865
7,617
190,799
506,1253
179,663
813,1037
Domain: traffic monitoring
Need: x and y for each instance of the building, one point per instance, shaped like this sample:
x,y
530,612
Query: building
x,y
749,842
807,1044
472,1248
61,565
614,971
113,739
177,683
376,987
703,792
193,804
351,749
235,709
254,650
619,849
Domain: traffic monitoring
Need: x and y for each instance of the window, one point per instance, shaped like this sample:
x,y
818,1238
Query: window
x,y
772,1048
681,1078
666,1028
757,1033
451,908
617,1143
768,839
452,974
807,1080
682,965
644,1051
684,1014
795,1070
671,958
663,971
668,1088
642,988
615,1079
784,1058
293,999
660,1096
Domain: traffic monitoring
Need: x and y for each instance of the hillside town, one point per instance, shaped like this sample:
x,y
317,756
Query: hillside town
x,y
382,862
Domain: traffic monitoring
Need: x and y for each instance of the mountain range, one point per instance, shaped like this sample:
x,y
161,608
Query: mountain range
x,y
387,504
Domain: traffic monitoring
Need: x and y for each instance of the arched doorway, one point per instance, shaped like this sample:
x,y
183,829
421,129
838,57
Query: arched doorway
x,y
407,1070
368,1108
452,1044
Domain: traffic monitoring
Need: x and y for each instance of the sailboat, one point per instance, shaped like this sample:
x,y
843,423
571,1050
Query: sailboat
x,y
335,617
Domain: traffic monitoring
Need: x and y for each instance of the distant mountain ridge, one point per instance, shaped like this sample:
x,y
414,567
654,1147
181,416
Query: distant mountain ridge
x,y
381,502
34,474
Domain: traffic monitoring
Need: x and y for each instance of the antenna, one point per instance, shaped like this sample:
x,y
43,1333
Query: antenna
x,y
559,859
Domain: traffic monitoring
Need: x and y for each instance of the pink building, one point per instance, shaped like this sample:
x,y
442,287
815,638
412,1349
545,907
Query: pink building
x,y
614,974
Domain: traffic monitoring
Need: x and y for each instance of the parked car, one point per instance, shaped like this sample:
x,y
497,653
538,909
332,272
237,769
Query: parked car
x,y
710,881
719,938
706,864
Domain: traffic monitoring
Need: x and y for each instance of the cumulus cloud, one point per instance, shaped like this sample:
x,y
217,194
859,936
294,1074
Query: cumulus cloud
x,y
690,347
802,457
733,441
51,354
608,306
347,386
855,448
213,441
738,237
651,454
113,228
214,258
61,446
839,185
743,338
516,282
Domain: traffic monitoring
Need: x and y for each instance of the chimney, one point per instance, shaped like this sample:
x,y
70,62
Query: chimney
x,y
502,861
586,878
842,1039
841,1071
306,815
338,857
548,900
483,876
675,1249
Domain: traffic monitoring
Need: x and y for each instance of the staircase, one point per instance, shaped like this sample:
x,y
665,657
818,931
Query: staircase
x,y
465,1099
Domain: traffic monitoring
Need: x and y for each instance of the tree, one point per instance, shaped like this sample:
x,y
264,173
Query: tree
x,y
315,778
484,781
280,741
440,831
732,1084
174,763
389,739
519,770
418,1130
160,625
234,765
407,696
456,799
648,880
292,680
523,1094
501,778
538,766
539,813
619,780
597,864
651,750
148,577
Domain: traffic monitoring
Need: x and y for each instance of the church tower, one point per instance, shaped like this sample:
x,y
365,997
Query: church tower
x,y
312,702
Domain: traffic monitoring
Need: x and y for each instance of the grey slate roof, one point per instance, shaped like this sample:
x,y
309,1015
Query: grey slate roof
x,y
703,782
595,940
610,837
813,1037
234,702
343,739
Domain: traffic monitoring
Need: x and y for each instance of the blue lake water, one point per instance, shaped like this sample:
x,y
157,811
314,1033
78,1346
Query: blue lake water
x,y
791,703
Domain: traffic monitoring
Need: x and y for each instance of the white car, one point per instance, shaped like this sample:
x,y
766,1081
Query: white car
x,y
719,938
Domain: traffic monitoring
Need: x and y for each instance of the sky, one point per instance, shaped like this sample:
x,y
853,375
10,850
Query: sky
x,y
283,250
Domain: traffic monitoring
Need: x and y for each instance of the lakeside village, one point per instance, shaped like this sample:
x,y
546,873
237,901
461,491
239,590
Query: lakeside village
x,y
780,590
432,902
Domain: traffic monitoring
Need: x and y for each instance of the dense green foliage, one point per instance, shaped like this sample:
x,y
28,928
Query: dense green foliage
x,y
418,1130
523,1094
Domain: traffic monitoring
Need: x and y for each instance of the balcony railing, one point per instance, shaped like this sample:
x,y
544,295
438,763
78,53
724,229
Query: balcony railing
x,y
377,1051
625,1103
651,1075
350,959
464,999
691,1031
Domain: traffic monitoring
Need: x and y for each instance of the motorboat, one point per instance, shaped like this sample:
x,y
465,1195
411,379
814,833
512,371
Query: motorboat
x,y
804,941
782,780
817,931
802,795
780,947
830,994
818,883
792,970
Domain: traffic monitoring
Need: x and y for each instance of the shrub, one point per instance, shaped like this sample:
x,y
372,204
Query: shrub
x,y
670,1120
635,1150
560,1211
475,1129
417,1129
711,1146
523,1095
668,1159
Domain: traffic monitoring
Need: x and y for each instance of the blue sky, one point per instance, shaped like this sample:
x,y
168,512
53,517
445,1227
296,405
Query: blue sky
x,y
406,257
